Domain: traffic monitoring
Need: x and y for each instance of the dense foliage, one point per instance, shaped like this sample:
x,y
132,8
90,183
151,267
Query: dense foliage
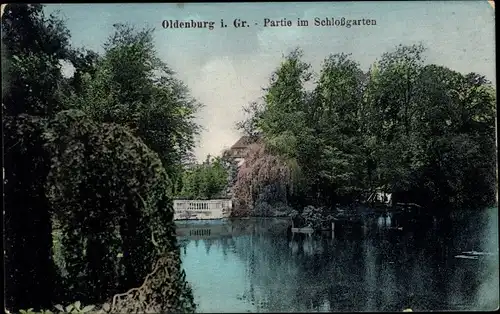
x,y
100,175
90,162
131,86
422,132
207,180
32,47
27,229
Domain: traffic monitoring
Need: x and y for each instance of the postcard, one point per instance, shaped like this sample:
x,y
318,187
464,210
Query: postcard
x,y
250,157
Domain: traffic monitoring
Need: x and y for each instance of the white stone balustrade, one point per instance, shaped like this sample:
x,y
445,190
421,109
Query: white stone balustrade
x,y
202,209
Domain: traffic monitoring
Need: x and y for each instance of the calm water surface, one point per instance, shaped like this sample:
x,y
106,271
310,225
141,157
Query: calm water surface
x,y
253,265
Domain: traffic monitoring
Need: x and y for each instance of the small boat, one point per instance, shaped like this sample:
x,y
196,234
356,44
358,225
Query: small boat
x,y
307,230
396,228
466,257
476,253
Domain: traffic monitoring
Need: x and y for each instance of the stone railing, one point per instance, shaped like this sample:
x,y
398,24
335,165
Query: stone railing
x,y
202,209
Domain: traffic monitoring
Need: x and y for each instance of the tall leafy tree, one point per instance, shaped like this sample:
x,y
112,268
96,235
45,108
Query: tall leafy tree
x,y
33,46
339,108
455,141
286,130
131,86
392,95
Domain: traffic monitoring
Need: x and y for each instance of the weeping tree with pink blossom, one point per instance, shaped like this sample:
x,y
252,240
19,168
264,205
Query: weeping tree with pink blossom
x,y
260,174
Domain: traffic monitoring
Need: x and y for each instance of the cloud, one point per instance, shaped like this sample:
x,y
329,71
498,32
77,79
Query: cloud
x,y
224,85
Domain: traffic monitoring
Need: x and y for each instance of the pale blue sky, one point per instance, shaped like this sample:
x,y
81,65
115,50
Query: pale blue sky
x,y
226,68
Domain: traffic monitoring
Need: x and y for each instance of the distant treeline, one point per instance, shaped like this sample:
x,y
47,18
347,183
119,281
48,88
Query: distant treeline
x,y
420,131
210,179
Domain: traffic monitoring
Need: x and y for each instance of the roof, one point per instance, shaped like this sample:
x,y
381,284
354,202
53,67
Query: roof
x,y
243,142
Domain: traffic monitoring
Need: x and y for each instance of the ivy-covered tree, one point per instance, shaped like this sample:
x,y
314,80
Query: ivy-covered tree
x,y
107,192
30,277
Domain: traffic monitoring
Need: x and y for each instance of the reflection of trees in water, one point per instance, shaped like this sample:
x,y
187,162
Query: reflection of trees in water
x,y
396,268
270,271
208,244
321,275
281,280
385,271
369,276
225,243
424,272
344,268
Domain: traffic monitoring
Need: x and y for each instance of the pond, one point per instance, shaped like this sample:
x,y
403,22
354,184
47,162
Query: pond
x,y
254,265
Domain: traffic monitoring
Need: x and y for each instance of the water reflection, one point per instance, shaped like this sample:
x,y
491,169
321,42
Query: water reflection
x,y
251,265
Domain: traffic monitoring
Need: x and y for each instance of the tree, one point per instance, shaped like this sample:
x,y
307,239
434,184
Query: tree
x,y
392,100
99,174
422,132
65,168
285,100
34,45
131,86
30,276
338,109
260,170
455,138
250,125
283,120
206,180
